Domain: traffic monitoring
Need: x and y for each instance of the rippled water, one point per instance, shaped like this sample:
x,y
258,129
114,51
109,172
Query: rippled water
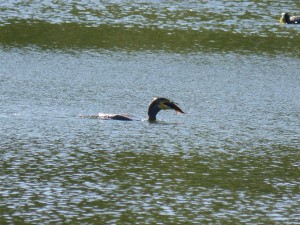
x,y
237,16
243,26
232,158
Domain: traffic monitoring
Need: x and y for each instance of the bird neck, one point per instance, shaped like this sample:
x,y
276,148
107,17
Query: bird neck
x,y
152,112
287,19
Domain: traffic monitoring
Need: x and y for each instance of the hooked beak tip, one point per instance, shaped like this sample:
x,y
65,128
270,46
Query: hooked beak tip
x,y
172,105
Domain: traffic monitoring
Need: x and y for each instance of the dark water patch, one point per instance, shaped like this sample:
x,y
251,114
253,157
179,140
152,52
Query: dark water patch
x,y
45,35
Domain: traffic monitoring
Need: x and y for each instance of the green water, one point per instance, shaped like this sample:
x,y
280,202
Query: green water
x,y
233,158
249,26
75,36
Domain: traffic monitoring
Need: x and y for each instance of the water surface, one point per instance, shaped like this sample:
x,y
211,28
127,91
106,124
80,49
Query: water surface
x,y
232,158
248,26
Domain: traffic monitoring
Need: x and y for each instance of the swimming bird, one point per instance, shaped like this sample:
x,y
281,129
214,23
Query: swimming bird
x,y
286,18
155,106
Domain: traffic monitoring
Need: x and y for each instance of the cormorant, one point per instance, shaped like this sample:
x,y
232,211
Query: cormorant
x,y
155,106
285,18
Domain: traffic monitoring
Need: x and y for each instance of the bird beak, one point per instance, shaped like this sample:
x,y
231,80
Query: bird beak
x,y
172,105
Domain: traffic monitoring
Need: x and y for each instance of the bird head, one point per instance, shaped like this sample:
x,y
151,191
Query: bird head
x,y
285,18
161,104
165,104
